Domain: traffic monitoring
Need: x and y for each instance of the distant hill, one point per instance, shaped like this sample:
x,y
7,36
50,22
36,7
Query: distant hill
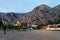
x,y
42,14
1,14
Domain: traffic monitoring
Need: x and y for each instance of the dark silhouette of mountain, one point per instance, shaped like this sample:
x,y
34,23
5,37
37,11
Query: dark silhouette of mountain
x,y
1,14
42,14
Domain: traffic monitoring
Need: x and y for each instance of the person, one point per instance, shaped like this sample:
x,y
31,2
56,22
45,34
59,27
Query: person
x,y
31,29
4,29
24,28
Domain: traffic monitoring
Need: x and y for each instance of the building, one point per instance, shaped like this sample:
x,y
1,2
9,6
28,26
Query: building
x,y
53,27
18,23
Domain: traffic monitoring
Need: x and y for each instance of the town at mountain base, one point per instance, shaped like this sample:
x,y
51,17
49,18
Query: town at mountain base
x,y
41,15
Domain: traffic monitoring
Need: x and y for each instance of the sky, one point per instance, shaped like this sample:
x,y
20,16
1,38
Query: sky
x,y
23,6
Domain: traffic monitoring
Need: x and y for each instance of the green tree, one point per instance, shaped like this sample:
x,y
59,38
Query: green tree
x,y
58,21
1,23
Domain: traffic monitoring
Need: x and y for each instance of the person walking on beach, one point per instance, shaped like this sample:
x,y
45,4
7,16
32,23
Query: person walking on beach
x,y
4,30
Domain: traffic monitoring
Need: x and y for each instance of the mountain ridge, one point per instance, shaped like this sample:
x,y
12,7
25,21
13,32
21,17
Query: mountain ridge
x,y
39,15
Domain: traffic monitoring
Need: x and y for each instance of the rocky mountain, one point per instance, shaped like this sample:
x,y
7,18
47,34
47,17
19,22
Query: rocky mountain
x,y
42,14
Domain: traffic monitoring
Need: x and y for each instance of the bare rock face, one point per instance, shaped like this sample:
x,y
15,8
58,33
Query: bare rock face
x,y
57,10
42,14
